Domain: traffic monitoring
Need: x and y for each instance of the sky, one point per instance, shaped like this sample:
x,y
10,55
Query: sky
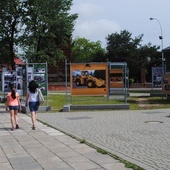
x,y
99,18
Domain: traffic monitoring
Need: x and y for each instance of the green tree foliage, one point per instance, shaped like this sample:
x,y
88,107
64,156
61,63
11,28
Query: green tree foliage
x,y
43,28
48,29
10,12
149,57
123,48
85,51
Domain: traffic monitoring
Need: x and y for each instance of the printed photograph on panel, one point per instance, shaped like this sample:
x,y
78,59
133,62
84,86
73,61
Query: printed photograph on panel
x,y
89,78
157,73
9,78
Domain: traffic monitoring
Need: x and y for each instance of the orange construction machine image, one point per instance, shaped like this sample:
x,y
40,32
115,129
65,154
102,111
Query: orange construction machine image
x,y
86,79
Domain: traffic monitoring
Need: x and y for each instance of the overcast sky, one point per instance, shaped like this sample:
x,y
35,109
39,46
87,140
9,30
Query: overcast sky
x,y
98,18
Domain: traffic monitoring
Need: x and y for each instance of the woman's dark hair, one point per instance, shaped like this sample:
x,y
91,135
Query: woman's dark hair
x,y
13,94
32,86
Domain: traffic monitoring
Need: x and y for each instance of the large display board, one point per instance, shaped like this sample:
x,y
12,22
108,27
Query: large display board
x,y
89,79
38,72
116,78
166,84
119,75
13,77
22,75
157,73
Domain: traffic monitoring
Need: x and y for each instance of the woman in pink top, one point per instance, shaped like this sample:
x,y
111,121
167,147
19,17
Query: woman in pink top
x,y
13,102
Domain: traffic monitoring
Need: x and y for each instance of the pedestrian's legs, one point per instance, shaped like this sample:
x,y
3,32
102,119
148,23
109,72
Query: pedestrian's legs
x,y
33,117
16,118
12,119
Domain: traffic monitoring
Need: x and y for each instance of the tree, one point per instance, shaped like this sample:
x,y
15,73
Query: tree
x,y
123,48
9,30
85,51
149,57
48,29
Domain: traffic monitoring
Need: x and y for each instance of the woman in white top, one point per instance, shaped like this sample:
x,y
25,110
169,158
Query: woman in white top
x,y
33,101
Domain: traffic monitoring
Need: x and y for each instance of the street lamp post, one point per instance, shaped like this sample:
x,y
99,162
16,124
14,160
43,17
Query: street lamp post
x,y
161,38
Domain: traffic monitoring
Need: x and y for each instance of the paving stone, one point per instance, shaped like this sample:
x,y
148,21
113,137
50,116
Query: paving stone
x,y
3,159
56,166
84,165
5,166
21,160
27,166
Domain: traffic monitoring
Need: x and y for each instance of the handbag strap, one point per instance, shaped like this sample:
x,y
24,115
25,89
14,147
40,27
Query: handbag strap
x,y
38,90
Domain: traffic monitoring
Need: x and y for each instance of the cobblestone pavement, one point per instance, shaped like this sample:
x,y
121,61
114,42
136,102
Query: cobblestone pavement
x,y
141,137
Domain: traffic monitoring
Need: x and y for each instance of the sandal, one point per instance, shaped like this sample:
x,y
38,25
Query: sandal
x,y
17,126
33,128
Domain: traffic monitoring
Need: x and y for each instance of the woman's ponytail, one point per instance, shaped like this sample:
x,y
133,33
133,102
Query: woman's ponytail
x,y
13,94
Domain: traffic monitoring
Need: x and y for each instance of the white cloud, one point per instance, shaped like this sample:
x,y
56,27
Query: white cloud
x,y
95,29
92,22
89,10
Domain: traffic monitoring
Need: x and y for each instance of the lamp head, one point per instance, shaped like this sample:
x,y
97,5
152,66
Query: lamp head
x,y
160,37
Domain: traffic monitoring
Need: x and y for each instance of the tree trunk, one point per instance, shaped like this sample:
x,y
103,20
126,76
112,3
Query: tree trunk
x,y
12,45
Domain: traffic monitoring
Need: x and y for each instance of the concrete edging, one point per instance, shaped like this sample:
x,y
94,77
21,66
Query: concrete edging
x,y
67,108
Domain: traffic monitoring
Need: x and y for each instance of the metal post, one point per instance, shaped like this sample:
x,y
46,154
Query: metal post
x,y
47,83
125,85
161,38
66,79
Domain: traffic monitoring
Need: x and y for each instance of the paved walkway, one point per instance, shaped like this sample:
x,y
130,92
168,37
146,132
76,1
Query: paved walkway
x,y
141,137
47,148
